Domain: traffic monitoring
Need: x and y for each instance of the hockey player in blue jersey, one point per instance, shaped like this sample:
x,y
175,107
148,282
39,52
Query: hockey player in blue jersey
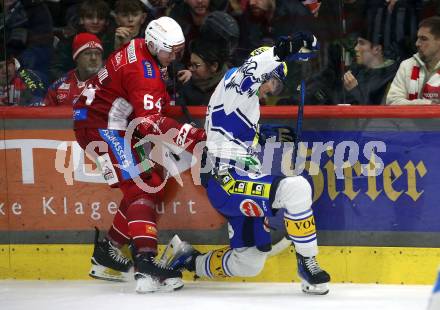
x,y
234,182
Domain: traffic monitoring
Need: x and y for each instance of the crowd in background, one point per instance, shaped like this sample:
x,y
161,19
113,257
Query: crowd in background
x,y
51,48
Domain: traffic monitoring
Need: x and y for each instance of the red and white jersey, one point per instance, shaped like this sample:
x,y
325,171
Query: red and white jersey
x,y
65,90
128,86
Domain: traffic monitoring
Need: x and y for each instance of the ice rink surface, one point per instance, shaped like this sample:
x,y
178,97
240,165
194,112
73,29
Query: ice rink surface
x,y
96,295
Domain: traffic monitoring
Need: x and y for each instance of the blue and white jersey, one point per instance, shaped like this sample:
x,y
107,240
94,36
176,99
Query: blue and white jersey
x,y
234,109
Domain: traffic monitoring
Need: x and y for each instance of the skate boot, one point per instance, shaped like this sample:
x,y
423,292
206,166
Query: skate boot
x,y
314,279
108,263
179,255
184,257
151,276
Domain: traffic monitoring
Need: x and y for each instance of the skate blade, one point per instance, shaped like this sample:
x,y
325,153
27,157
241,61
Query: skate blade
x,y
146,285
314,289
107,274
149,284
169,251
171,284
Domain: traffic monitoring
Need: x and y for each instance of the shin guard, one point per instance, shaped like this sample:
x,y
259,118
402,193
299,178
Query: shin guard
x,y
118,232
215,265
302,231
141,217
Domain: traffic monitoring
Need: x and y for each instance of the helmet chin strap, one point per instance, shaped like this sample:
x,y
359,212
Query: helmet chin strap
x,y
154,52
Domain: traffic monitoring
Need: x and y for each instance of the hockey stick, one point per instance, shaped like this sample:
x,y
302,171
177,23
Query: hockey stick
x,y
284,242
299,121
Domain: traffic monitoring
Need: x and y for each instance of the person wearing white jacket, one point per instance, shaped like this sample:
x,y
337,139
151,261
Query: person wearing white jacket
x,y
418,79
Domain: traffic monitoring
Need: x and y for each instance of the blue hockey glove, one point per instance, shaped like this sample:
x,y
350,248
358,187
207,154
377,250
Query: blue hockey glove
x,y
300,46
281,133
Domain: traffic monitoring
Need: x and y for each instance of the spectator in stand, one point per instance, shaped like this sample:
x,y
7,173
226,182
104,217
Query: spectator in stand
x,y
418,80
156,8
396,21
222,29
190,15
94,17
367,81
130,16
87,54
263,21
207,67
19,86
28,33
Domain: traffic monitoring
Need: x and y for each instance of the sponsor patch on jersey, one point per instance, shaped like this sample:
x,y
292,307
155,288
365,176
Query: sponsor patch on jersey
x,y
103,76
226,179
107,169
149,72
239,187
231,231
65,86
119,60
250,208
62,95
150,230
80,114
257,189
131,51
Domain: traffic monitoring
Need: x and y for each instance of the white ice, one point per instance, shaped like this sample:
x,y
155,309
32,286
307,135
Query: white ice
x,y
96,295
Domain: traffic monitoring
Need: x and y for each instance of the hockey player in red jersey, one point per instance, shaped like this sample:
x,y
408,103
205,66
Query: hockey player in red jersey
x,y
130,87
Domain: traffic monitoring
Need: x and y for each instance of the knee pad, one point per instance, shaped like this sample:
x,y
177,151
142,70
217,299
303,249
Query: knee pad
x,y
294,194
246,262
227,262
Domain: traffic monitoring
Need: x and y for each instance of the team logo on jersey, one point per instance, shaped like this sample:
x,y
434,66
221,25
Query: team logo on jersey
x,y
119,60
250,208
244,79
257,189
149,72
239,187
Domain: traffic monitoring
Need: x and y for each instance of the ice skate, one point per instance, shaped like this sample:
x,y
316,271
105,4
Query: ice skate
x,y
108,263
151,276
314,280
179,255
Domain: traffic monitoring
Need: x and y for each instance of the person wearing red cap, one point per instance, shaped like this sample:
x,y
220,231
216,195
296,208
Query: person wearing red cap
x,y
87,54
129,95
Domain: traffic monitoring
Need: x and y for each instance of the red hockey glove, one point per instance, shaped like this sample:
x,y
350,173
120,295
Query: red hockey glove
x,y
185,135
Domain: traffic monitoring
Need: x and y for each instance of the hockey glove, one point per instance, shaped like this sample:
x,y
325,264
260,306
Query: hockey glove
x,y
187,135
300,46
280,132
